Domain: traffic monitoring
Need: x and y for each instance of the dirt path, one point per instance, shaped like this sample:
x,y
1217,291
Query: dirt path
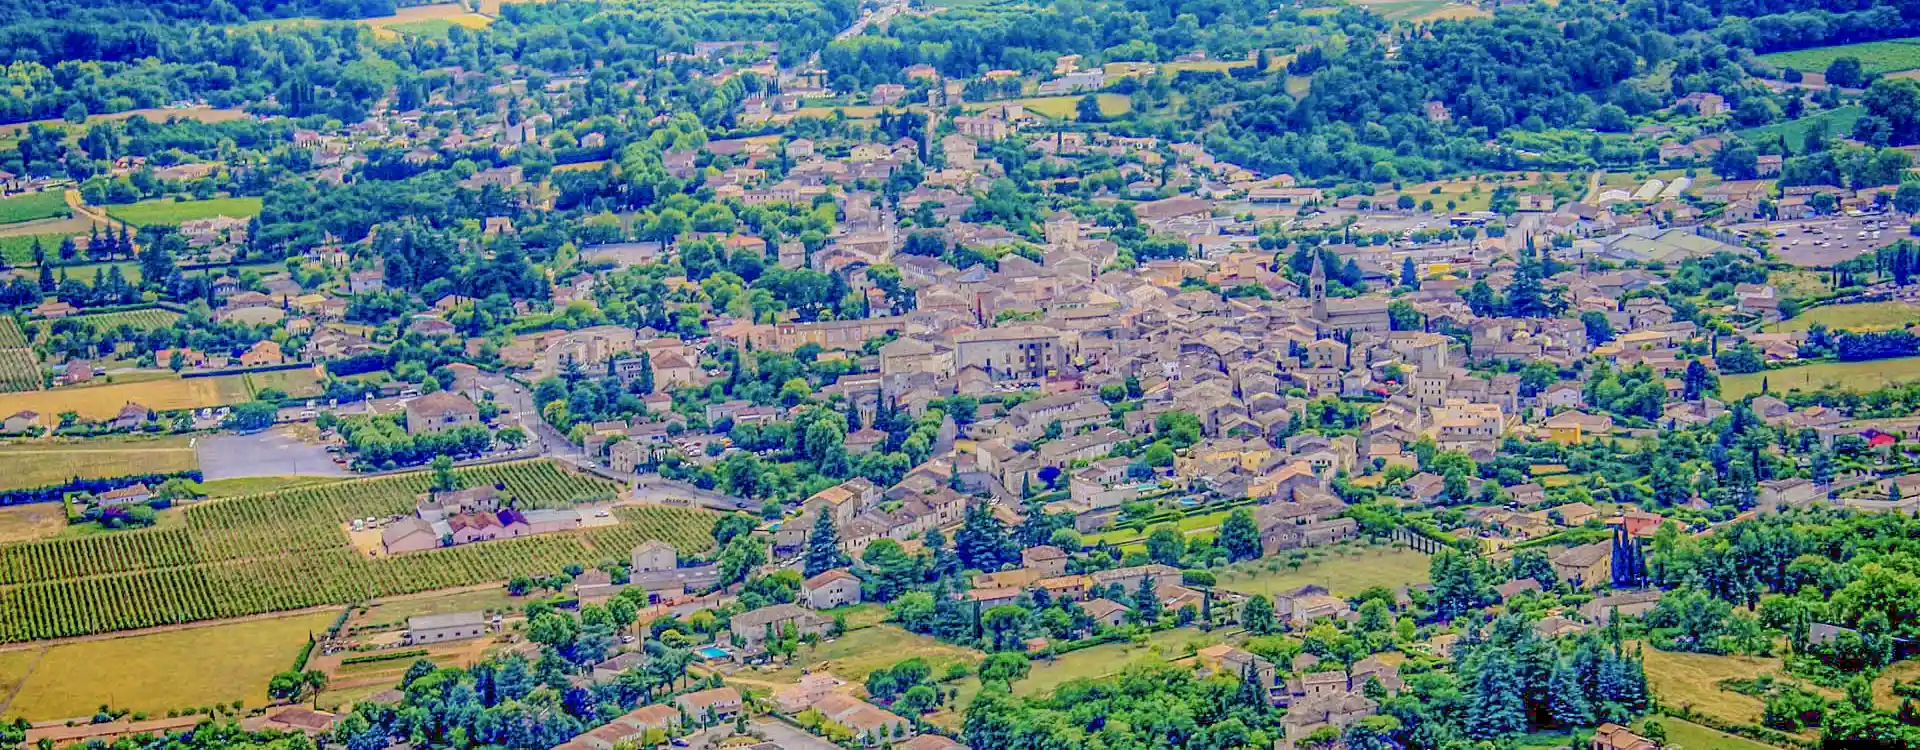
x,y
96,215
24,677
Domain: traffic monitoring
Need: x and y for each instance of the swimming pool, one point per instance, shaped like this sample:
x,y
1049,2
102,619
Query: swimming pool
x,y
712,652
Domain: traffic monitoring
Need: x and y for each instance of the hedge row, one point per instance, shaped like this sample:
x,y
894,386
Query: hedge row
x,y
54,493
389,656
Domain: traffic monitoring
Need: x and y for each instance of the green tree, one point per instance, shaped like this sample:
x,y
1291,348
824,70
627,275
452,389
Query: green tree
x,y
823,546
1256,615
1165,545
1240,536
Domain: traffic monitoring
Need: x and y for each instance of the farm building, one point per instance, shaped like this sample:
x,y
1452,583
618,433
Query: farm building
x,y
440,628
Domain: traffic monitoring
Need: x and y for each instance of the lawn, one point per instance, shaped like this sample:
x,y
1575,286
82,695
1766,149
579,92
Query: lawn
x,y
1838,123
105,401
1858,376
853,656
1061,107
168,212
1686,735
1187,526
1344,570
35,465
1299,86
1097,661
1106,659
399,609
1875,57
1862,317
45,204
157,672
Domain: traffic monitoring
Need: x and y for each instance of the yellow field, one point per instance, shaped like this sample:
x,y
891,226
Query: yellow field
x,y
159,671
105,401
37,465
20,523
1689,680
450,12
1299,86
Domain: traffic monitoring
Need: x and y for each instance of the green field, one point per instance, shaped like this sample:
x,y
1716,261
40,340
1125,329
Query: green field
x,y
857,654
40,464
1187,526
1063,107
152,318
1858,376
42,205
1686,735
1875,57
167,212
156,672
1345,571
18,249
1865,316
1838,123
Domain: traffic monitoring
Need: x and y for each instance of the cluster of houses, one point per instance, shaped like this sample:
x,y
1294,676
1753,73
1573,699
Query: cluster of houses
x,y
467,516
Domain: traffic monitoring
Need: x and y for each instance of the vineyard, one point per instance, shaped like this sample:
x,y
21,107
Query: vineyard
x,y
148,319
11,337
19,371
286,550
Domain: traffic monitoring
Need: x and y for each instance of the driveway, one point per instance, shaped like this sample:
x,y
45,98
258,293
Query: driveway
x,y
790,738
273,453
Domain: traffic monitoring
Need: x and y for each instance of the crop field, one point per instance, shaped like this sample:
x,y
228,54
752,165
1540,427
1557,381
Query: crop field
x,y
158,672
1875,57
688,532
43,463
1858,376
19,371
286,550
169,212
46,204
301,383
11,337
150,319
18,249
426,20
104,401
1862,317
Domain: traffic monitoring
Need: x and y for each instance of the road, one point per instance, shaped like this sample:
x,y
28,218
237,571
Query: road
x,y
517,400
880,16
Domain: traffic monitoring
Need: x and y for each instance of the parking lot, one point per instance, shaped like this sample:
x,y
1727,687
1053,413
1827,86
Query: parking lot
x,y
1826,240
273,453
